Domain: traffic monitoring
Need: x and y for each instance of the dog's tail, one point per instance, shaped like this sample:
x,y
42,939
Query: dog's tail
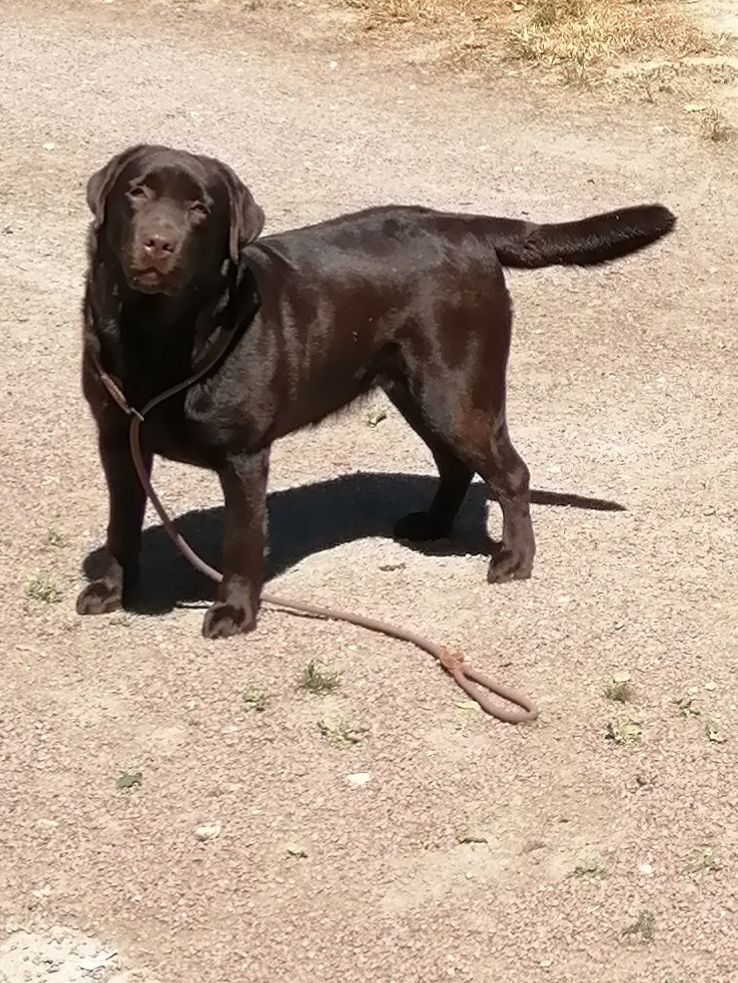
x,y
587,242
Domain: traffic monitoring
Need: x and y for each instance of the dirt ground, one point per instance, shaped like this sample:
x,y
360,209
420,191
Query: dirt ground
x,y
466,849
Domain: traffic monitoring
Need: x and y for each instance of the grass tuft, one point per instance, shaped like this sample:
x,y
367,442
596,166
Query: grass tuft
x,y
342,730
618,689
43,589
590,867
624,732
255,700
714,126
320,679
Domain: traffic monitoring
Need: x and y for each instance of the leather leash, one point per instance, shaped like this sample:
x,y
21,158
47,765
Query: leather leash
x,y
471,681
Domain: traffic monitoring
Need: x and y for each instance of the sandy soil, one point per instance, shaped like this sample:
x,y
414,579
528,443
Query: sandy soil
x,y
474,851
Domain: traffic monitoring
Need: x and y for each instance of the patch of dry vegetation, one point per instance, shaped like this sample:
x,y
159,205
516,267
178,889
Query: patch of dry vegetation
x,y
713,125
584,37
579,39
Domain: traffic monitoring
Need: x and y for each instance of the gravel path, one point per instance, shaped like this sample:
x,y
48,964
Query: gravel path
x,y
473,851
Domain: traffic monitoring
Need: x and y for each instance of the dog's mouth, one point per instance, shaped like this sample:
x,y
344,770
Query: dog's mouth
x,y
151,281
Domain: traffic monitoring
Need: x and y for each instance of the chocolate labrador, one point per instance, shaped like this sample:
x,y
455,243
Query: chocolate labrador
x,y
407,299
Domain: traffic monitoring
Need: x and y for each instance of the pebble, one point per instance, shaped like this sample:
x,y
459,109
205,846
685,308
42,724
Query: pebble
x,y
359,778
206,833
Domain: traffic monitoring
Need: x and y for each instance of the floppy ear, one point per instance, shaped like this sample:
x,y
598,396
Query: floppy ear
x,y
246,217
101,182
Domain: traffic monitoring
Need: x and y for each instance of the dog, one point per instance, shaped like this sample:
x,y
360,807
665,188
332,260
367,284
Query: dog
x,y
404,298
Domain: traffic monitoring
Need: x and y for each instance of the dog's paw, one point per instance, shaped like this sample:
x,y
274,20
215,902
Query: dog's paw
x,y
508,565
99,597
418,527
223,620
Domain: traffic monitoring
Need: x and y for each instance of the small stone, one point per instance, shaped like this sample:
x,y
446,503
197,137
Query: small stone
x,y
46,824
359,778
208,832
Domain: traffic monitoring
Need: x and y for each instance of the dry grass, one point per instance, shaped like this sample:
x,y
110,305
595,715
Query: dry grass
x,y
714,126
428,12
618,689
584,37
578,39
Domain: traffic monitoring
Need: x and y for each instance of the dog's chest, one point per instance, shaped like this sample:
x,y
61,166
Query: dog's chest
x,y
167,430
169,434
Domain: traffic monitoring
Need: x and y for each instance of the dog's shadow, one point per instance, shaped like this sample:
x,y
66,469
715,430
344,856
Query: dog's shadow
x,y
309,519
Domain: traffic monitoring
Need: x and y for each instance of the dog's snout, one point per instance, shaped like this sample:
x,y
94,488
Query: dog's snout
x,y
160,246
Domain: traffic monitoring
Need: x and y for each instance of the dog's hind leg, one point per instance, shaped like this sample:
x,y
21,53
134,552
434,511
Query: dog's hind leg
x,y
464,412
507,477
482,444
455,476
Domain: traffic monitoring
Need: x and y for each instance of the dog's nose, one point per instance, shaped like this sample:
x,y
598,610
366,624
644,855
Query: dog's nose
x,y
160,246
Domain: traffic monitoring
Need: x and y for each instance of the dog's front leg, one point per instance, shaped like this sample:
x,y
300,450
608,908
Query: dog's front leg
x,y
127,503
244,482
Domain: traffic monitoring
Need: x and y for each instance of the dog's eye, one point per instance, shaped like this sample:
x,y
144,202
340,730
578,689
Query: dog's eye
x,y
199,210
138,192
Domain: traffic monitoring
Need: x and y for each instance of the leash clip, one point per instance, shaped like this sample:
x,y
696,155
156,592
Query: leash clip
x,y
116,393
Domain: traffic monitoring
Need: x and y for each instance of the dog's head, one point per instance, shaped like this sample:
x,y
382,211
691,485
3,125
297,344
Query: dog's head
x,y
171,218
